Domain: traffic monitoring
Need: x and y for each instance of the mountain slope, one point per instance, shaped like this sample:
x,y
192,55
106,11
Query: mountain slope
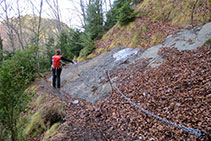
x,y
155,21
167,75
173,83
48,29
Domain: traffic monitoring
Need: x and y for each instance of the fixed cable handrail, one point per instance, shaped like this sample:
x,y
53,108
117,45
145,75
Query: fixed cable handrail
x,y
196,132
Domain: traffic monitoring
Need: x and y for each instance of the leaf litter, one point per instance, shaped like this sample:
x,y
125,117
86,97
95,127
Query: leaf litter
x,y
178,90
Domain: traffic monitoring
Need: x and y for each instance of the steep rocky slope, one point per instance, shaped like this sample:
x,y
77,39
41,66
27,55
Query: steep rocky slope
x,y
156,20
87,79
166,71
171,80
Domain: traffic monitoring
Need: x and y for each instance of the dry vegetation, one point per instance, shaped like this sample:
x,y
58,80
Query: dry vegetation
x,y
178,90
155,21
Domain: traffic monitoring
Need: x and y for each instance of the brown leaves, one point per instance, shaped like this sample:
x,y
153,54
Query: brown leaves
x,y
178,90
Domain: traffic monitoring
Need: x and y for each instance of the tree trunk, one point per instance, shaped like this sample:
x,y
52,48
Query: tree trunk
x,y
39,24
83,12
11,37
56,13
9,24
192,13
13,124
38,35
1,49
20,33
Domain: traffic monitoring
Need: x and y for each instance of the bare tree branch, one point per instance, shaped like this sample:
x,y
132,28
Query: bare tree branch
x,y
192,13
54,6
20,36
8,22
39,22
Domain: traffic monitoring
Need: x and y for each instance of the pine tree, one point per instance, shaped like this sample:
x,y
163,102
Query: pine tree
x,y
94,19
126,14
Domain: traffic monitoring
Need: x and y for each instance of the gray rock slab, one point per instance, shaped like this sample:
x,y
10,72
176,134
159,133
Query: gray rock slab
x,y
87,79
189,39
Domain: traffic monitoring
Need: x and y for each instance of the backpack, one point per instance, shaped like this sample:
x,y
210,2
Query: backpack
x,y
56,59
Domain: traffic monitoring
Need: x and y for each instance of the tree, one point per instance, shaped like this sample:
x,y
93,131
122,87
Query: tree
x,y
135,2
70,43
20,33
113,14
75,42
1,49
83,14
111,19
13,25
9,23
126,14
63,43
192,13
39,23
36,29
50,50
94,18
88,44
54,6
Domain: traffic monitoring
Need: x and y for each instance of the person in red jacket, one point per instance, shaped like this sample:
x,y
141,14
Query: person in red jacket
x,y
57,67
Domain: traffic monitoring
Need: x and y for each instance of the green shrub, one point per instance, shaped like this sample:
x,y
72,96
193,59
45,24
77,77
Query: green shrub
x,y
15,74
51,131
208,42
127,14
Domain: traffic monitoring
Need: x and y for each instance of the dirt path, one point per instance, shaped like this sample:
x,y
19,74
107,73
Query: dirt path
x,y
80,116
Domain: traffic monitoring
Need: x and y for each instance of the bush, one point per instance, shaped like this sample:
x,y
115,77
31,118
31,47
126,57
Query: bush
x,y
4,55
15,74
207,42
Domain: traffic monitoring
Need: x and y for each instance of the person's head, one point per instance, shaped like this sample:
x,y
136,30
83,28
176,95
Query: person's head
x,y
57,51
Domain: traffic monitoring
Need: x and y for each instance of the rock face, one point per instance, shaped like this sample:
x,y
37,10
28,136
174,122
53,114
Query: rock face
x,y
183,40
87,80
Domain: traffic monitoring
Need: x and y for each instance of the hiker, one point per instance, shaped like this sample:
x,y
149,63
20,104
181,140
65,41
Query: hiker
x,y
57,67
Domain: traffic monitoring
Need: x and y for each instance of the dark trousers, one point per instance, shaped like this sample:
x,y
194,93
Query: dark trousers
x,y
56,77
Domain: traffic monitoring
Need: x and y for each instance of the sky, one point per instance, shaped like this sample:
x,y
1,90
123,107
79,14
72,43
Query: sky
x,y
70,10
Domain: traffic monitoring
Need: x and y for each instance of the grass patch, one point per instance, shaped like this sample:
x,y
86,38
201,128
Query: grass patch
x,y
43,119
92,55
113,45
36,125
144,28
101,50
117,43
156,39
179,13
80,59
130,26
38,101
209,3
51,131
207,42
135,40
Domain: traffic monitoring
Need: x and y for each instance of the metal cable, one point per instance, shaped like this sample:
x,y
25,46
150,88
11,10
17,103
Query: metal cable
x,y
196,132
